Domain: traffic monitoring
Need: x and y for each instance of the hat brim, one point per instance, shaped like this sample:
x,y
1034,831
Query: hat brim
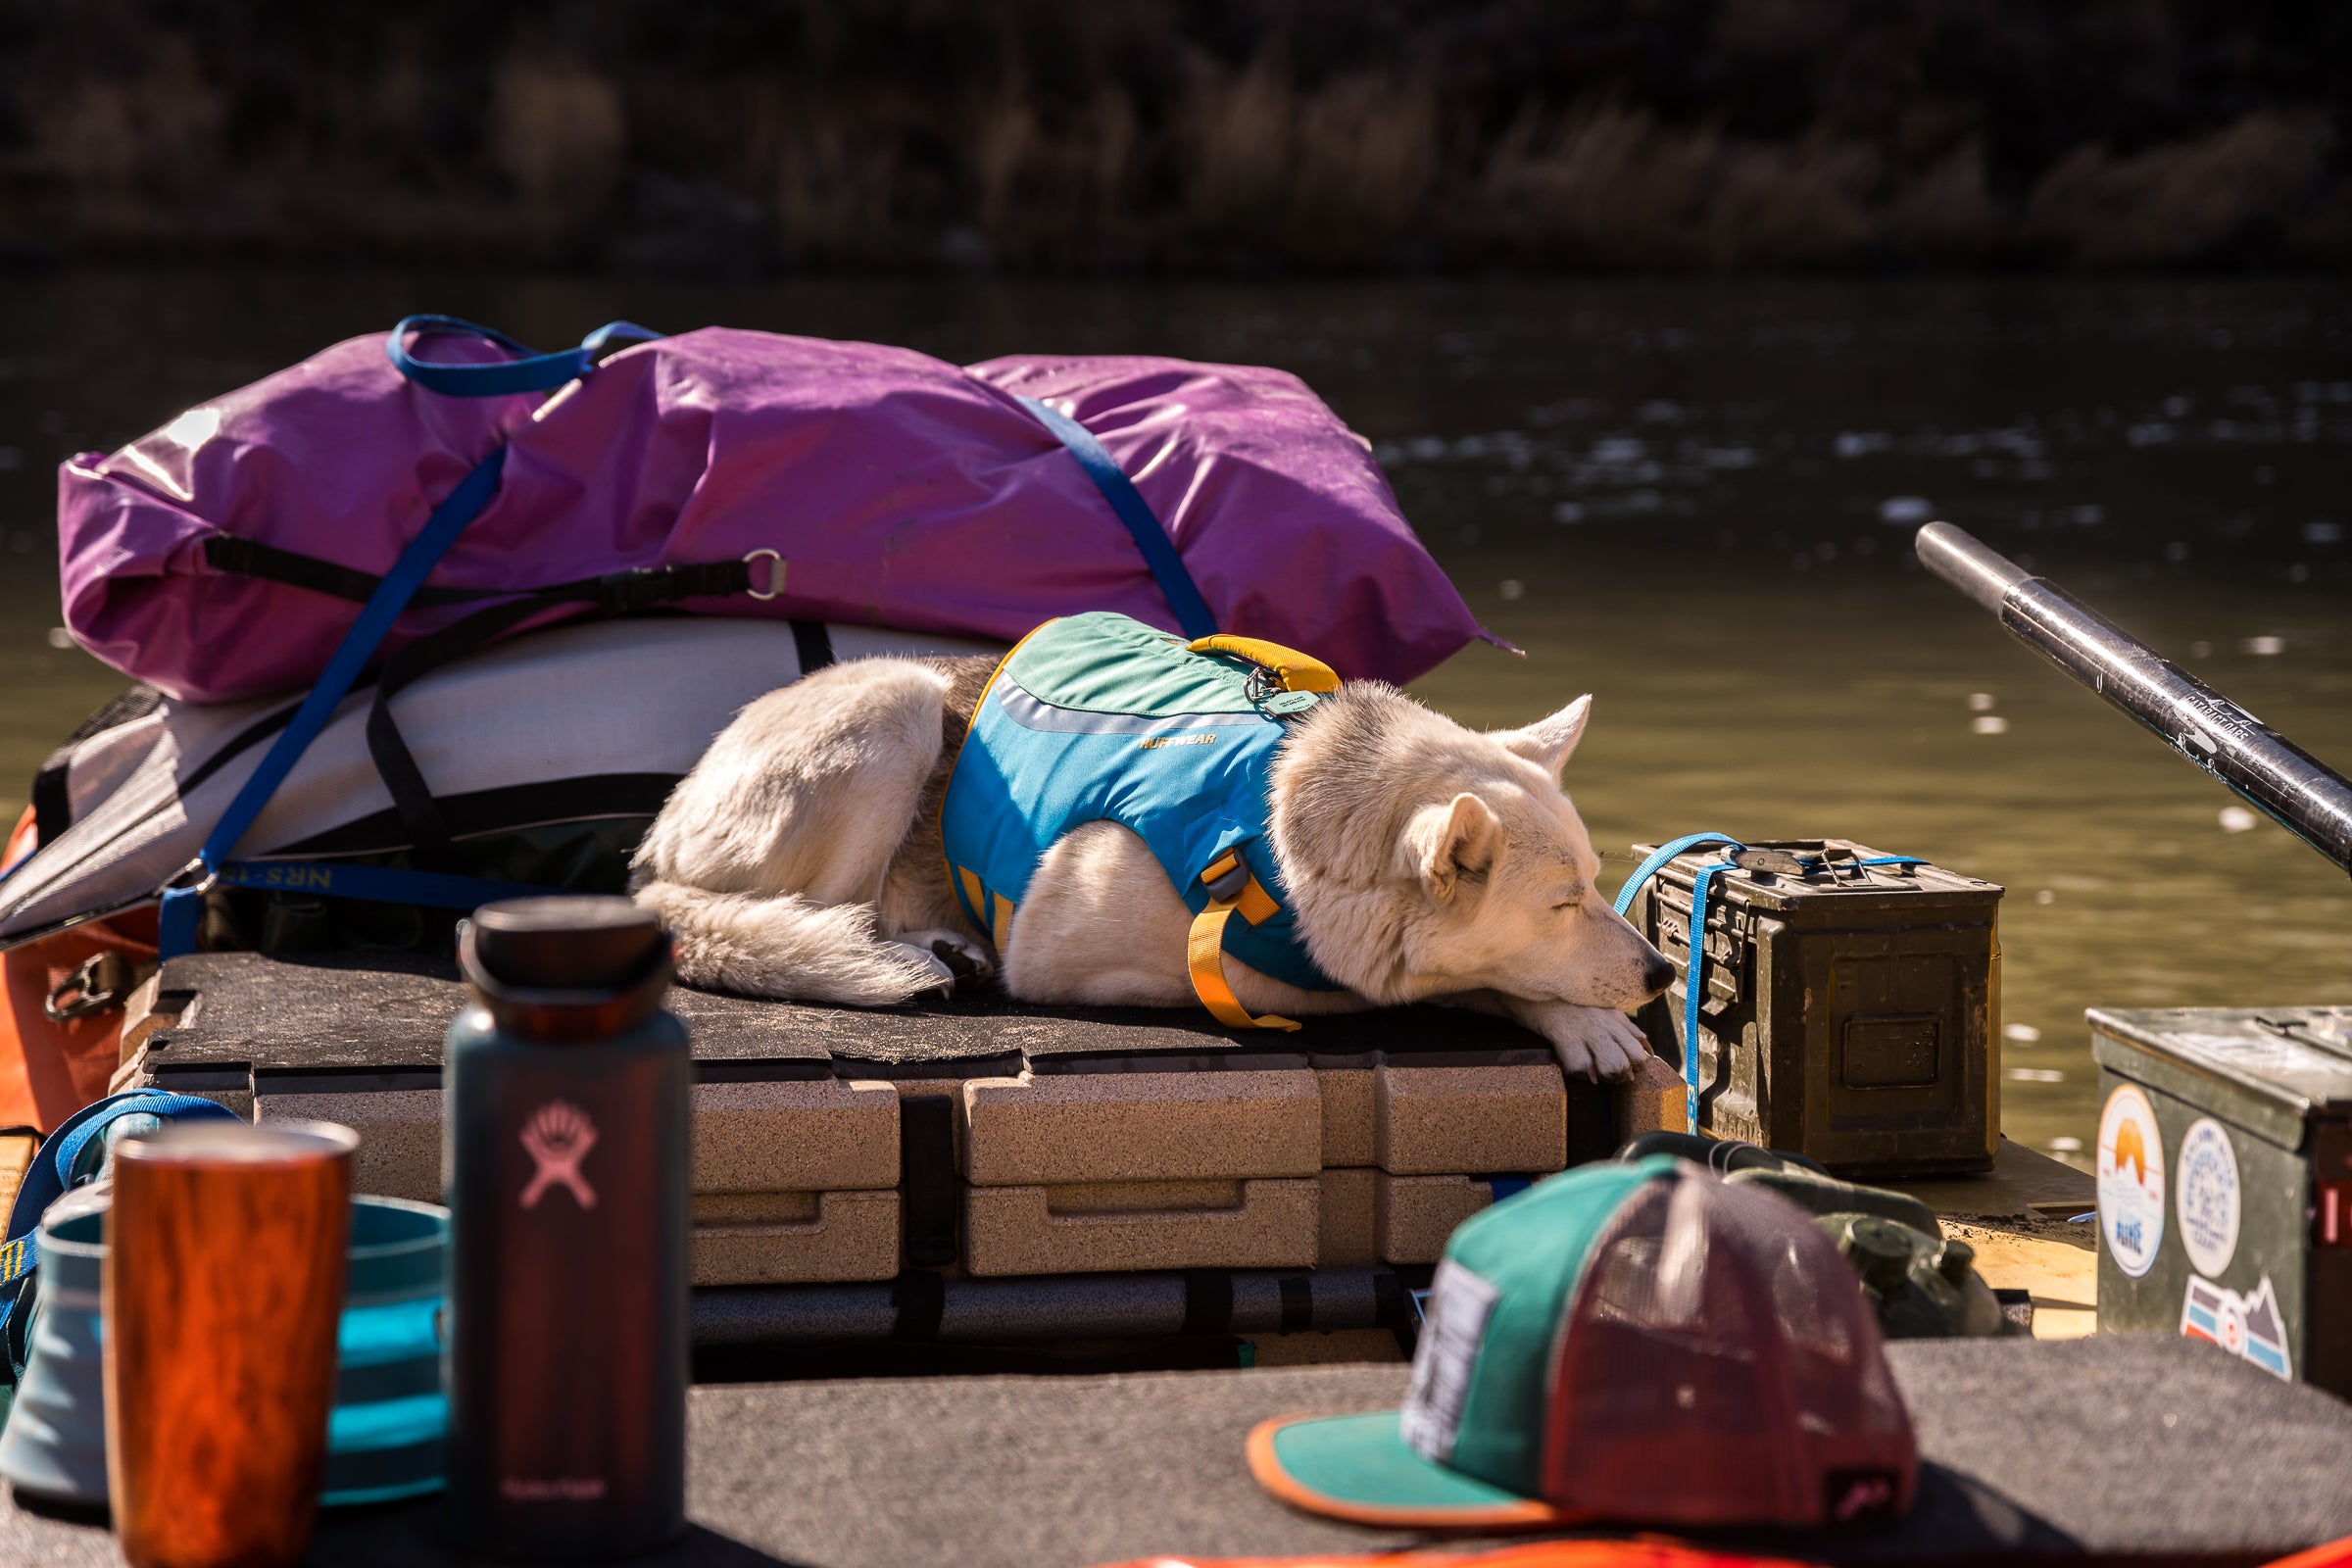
x,y
1359,1468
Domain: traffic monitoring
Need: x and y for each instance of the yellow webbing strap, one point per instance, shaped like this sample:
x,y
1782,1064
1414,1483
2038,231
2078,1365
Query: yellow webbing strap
x,y
1204,952
1001,926
1296,671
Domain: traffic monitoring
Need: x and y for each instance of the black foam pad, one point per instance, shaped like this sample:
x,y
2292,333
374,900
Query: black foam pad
x,y
388,1014
2127,1447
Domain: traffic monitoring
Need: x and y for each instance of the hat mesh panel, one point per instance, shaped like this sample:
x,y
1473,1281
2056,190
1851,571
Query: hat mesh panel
x,y
1719,1365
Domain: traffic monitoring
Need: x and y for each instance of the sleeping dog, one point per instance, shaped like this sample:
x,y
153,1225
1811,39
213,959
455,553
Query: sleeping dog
x,y
1406,857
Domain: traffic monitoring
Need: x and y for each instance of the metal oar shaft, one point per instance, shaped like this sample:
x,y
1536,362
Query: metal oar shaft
x,y
2303,794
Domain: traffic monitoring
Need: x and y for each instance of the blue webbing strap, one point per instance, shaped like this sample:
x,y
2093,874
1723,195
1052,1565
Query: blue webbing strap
x,y
1694,970
383,884
1663,853
532,372
1176,583
177,920
51,1172
183,907
18,1259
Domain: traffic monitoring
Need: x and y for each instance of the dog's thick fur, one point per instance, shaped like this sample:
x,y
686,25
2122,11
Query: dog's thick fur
x,y
800,859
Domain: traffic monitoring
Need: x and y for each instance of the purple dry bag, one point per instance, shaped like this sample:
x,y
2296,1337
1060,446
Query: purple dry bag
x,y
463,486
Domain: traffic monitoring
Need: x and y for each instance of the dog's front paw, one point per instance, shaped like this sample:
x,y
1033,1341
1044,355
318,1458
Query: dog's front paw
x,y
967,961
1592,1040
928,975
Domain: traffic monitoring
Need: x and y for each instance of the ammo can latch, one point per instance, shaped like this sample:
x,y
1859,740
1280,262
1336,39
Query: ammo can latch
x,y
1833,863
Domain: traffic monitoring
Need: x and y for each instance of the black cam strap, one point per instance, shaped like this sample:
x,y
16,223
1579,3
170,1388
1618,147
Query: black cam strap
x,y
612,595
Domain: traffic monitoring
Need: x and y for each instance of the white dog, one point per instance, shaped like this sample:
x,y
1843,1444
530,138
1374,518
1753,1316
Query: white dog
x,y
801,859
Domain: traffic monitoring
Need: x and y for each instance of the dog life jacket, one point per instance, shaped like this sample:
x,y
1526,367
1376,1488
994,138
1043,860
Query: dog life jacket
x,y
1100,718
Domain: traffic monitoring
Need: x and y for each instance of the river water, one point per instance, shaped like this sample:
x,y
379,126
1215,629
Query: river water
x,y
1692,499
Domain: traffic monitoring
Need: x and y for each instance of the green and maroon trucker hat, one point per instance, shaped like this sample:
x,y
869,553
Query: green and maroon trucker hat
x,y
1635,1341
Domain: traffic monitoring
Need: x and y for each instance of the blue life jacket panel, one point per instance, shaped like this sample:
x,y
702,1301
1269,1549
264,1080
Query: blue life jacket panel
x,y
1098,718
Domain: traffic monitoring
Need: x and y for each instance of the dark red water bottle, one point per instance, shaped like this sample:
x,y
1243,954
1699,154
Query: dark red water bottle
x,y
565,1168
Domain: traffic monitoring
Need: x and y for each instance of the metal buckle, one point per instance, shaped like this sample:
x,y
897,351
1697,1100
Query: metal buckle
x,y
1229,887
775,574
1777,861
102,982
206,878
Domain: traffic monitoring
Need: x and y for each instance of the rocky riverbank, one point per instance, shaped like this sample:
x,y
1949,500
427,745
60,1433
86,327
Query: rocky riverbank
x,y
1154,136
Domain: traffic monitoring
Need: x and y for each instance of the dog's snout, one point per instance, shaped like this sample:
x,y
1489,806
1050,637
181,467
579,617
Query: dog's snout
x,y
1657,973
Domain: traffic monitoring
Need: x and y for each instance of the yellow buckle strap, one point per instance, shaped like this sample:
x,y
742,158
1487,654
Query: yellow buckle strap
x,y
1256,905
1205,954
993,909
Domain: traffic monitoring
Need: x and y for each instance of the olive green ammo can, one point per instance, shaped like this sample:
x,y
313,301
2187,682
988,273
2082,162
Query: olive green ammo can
x,y
2224,1169
1861,1004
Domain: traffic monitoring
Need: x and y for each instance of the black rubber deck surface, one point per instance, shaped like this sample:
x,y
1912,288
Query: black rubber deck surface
x,y
386,1013
2141,1448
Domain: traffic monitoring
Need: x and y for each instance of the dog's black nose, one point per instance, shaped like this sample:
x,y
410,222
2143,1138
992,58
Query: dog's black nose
x,y
1657,974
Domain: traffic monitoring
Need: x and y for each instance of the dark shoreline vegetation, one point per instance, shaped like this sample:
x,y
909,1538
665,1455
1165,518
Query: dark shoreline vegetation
x,y
1157,135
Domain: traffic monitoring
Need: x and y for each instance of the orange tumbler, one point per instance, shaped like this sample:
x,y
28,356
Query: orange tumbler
x,y
223,1292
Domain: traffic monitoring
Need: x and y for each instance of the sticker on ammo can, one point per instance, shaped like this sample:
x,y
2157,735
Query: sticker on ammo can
x,y
2205,1196
2248,1327
2130,1170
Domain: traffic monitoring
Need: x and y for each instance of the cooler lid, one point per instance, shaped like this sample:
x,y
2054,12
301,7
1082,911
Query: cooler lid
x,y
2270,1070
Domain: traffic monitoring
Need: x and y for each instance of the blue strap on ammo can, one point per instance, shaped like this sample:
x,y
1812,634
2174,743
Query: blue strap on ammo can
x,y
1694,969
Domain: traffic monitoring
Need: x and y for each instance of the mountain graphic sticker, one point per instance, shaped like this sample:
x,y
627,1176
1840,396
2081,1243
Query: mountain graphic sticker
x,y
2130,1170
2248,1327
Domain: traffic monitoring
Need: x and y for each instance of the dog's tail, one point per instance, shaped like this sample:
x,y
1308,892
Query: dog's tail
x,y
786,947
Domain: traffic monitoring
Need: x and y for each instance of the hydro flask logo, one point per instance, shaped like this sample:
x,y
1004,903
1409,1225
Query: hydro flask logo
x,y
557,1137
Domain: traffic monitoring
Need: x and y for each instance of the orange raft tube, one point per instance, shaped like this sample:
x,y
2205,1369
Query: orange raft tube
x,y
51,1066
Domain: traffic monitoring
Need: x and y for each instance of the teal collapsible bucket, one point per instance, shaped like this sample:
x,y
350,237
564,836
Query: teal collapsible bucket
x,y
391,1419
385,1437
54,1447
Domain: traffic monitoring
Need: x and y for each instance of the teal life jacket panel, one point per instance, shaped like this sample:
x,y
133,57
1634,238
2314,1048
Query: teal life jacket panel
x,y
1100,718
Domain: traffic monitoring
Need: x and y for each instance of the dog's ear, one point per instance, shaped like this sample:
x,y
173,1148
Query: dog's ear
x,y
1446,841
1549,743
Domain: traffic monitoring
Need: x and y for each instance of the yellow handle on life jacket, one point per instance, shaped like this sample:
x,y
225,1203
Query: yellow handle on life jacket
x,y
1204,951
1294,669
